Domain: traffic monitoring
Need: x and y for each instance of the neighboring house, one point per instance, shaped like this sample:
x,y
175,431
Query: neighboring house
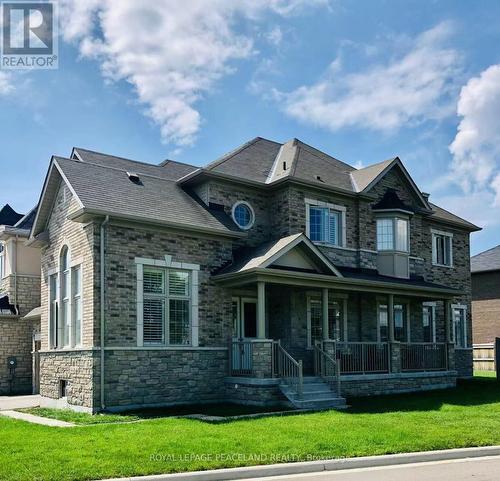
x,y
274,274
19,296
485,269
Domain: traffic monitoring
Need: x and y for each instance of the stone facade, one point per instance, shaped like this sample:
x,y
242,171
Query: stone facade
x,y
486,307
375,385
137,376
16,340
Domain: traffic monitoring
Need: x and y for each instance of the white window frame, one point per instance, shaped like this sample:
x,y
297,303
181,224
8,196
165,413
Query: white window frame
x,y
76,298
406,308
394,219
316,297
167,263
463,308
341,209
432,306
434,234
252,214
2,260
56,330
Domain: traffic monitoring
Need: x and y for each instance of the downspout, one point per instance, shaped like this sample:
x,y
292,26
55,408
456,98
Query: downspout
x,y
103,297
15,276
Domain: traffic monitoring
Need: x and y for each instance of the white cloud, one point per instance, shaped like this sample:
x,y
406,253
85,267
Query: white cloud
x,y
410,88
275,36
6,86
171,52
476,147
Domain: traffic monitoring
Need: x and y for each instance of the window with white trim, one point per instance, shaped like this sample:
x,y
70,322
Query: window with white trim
x,y
76,292
392,234
336,317
442,248
2,260
429,321
400,316
65,303
326,223
459,325
166,306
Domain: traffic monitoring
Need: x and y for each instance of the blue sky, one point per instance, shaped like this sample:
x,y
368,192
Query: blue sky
x,y
363,81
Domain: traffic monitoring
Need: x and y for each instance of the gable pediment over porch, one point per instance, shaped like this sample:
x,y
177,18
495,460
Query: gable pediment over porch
x,y
294,253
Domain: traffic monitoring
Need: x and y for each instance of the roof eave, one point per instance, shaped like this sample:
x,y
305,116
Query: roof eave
x,y
7,231
84,215
249,274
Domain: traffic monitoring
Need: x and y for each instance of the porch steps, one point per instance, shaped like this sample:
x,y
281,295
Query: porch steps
x,y
317,394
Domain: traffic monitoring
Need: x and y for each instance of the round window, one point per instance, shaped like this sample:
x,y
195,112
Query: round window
x,y
243,215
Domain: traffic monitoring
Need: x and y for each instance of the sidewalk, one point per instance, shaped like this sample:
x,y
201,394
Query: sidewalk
x,y
322,466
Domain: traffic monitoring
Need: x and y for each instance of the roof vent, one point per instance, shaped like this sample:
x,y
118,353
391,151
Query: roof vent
x,y
134,177
319,179
284,165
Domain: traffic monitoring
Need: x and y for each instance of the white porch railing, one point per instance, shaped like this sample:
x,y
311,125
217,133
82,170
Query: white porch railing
x,y
327,367
425,356
288,369
363,357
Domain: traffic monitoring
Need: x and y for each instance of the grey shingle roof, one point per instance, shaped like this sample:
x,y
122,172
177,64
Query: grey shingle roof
x,y
157,200
442,214
486,261
8,216
364,177
166,170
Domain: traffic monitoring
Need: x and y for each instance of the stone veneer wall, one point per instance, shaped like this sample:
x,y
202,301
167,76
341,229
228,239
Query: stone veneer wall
x,y
15,340
374,385
28,291
162,377
486,306
464,362
80,368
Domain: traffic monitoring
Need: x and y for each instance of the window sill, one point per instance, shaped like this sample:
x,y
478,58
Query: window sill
x,y
442,265
328,244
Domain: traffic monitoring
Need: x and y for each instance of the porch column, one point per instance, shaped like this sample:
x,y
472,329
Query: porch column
x,y
390,317
326,334
261,310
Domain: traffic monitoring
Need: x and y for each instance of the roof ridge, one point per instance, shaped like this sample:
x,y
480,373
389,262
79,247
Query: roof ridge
x,y
229,155
163,163
118,157
56,157
329,158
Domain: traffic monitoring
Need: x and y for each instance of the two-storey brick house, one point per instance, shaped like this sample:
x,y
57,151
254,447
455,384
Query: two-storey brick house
x,y
274,274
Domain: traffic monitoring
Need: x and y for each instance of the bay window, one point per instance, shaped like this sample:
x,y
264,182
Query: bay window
x,y
392,234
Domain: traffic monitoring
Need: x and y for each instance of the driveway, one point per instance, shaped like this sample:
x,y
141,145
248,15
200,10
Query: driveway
x,y
8,403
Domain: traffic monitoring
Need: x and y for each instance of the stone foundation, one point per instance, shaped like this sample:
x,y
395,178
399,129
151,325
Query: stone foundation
x,y
253,391
80,370
159,377
378,384
15,340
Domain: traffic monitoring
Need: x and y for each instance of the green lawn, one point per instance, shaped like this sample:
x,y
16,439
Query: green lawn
x,y
485,374
466,416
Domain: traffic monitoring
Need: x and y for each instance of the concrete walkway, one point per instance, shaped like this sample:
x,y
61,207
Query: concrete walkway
x,y
36,419
7,403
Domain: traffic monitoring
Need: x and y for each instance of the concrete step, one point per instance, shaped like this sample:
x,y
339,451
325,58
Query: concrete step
x,y
331,403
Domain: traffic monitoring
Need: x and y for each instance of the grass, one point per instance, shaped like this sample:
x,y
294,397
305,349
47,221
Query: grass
x,y
222,410
485,374
466,416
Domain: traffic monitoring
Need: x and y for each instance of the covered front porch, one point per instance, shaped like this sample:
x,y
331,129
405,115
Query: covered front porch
x,y
291,323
